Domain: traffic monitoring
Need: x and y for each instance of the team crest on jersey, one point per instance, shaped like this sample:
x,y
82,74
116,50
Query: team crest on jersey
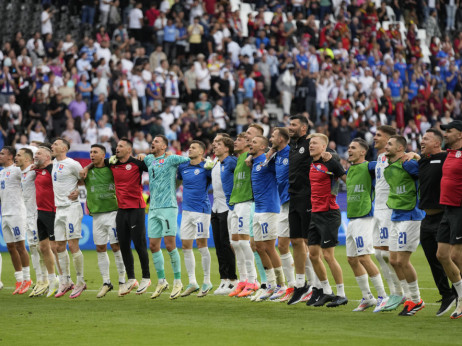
x,y
60,167
161,161
384,158
458,154
302,150
128,167
285,162
44,172
319,166
8,174
196,171
258,169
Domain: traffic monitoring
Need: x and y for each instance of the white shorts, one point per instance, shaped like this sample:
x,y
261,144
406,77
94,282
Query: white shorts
x,y
265,226
232,222
14,228
404,236
104,228
382,227
68,222
243,211
194,225
31,230
359,237
283,222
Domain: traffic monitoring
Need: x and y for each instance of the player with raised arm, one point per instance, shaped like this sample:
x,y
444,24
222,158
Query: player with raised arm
x,y
163,213
325,222
195,223
406,217
223,218
68,220
382,221
241,198
130,219
46,212
280,143
24,160
102,205
13,214
359,245
265,221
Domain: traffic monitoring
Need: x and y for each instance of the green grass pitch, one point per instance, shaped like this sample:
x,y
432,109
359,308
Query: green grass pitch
x,y
212,320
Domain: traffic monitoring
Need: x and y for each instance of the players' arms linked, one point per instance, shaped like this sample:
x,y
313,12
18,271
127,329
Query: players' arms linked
x,y
83,173
410,156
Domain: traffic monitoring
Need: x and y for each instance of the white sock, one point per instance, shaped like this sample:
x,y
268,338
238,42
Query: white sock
x,y
326,289
35,259
458,287
1,262
288,267
19,276
190,264
311,277
51,278
280,279
249,260
363,283
385,270
405,287
206,261
176,281
43,269
26,273
270,277
378,285
119,262
78,265
103,264
341,290
64,263
414,290
398,290
240,260
299,280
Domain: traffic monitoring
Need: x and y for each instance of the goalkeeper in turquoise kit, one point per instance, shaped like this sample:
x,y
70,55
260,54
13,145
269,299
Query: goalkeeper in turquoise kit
x,y
163,212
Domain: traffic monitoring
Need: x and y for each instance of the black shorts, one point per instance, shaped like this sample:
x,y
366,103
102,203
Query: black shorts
x,y
450,230
430,224
299,217
324,227
46,225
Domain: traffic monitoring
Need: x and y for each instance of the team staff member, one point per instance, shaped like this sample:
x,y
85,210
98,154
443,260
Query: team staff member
x,y
223,217
450,230
406,217
325,222
102,204
46,211
430,174
130,219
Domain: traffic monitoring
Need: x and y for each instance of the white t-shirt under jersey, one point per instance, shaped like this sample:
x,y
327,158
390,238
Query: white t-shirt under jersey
x,y
28,191
382,189
10,192
65,178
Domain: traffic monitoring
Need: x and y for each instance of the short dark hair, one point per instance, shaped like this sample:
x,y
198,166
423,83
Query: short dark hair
x,y
164,139
400,139
437,134
387,129
362,143
102,147
227,142
125,139
300,118
283,132
10,149
65,141
199,143
28,152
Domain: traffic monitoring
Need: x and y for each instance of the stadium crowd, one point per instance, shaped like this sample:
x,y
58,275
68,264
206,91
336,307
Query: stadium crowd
x,y
182,76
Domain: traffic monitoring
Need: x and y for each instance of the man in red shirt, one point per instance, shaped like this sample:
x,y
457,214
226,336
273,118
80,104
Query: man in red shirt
x,y
325,221
449,234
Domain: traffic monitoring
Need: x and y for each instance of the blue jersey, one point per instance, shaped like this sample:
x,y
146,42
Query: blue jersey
x,y
395,87
227,177
416,214
282,173
196,182
265,186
